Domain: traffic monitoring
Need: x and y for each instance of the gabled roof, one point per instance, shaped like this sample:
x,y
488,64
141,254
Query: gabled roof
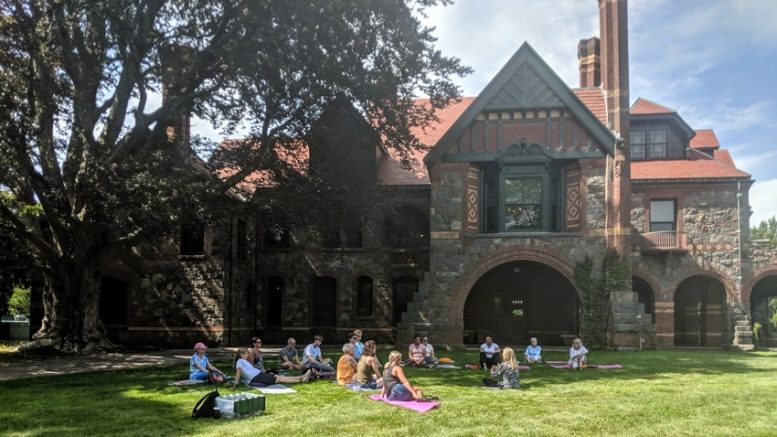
x,y
390,170
593,99
705,139
644,109
644,106
526,81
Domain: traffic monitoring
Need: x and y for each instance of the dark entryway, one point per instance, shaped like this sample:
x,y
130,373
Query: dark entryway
x,y
324,303
698,309
274,313
113,303
763,308
404,289
519,300
645,296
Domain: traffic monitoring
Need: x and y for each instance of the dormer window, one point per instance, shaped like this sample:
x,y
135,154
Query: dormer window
x,y
648,144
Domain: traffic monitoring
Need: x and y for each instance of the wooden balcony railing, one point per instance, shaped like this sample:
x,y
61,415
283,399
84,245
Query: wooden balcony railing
x,y
665,241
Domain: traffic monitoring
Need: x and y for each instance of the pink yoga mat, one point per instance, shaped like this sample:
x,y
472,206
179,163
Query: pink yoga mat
x,y
421,407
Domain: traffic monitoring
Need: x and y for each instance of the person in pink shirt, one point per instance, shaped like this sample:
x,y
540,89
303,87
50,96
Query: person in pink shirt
x,y
416,353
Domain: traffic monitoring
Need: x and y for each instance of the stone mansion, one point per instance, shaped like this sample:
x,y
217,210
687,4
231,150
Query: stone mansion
x,y
520,184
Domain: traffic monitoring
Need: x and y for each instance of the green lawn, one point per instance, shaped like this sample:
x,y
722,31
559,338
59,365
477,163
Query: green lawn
x,y
656,393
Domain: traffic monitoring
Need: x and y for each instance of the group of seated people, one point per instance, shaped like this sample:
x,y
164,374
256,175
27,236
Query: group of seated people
x,y
360,366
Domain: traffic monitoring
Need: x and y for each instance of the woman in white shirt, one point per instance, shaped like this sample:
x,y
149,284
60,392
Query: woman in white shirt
x,y
577,354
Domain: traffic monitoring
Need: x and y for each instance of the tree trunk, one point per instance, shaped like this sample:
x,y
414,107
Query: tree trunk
x,y
71,321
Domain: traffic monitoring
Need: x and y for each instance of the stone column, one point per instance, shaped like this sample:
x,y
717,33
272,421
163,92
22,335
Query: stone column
x,y
664,325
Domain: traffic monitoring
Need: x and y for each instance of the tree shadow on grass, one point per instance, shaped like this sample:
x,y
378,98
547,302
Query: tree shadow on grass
x,y
135,402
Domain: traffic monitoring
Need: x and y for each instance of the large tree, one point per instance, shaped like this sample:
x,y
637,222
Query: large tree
x,y
87,160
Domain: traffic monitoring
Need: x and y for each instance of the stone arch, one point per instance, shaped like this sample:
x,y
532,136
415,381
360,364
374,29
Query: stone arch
x,y
700,311
694,270
649,302
497,258
648,277
747,288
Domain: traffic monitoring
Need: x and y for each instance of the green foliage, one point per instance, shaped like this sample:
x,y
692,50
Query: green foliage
x,y
596,287
757,329
19,303
88,166
773,311
766,230
595,304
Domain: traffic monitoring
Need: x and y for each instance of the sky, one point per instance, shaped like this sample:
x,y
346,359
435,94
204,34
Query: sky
x,y
713,61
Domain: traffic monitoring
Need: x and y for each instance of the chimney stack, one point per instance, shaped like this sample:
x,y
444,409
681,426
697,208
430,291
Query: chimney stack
x,y
613,21
174,60
590,65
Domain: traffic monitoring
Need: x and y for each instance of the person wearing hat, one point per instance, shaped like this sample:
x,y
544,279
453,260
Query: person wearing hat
x,y
199,366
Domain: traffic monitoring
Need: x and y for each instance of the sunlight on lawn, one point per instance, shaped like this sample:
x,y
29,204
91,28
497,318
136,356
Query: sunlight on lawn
x,y
656,393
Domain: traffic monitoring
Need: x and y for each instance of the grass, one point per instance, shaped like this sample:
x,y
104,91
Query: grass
x,y
656,393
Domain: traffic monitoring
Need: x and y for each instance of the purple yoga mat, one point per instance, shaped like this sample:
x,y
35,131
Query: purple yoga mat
x,y
421,407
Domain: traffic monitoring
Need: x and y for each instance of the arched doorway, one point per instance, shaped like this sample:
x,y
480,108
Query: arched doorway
x,y
522,299
763,307
645,296
698,306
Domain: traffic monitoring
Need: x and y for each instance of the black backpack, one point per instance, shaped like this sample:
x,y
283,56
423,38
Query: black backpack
x,y
205,407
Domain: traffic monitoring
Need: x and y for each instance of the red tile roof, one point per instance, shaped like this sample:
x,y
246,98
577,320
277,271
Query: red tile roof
x,y
593,98
296,156
724,156
705,139
390,171
684,169
645,106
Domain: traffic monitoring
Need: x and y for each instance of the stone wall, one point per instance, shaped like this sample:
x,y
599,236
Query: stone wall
x,y
456,264
708,215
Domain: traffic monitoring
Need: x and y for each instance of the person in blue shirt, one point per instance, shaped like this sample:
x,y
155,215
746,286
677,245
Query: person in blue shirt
x,y
312,359
358,345
533,352
199,366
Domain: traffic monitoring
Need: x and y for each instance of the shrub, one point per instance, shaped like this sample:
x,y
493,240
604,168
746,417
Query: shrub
x,y
19,303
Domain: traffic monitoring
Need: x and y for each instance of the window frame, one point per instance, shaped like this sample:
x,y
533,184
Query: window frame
x,y
674,221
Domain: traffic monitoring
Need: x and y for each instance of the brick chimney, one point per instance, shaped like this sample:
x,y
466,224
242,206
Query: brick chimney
x,y
613,22
588,56
173,60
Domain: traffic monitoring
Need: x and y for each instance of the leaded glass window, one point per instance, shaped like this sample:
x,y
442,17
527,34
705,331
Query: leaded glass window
x,y
657,143
523,203
638,144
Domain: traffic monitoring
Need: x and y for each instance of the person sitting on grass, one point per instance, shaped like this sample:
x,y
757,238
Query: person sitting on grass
x,y
416,353
289,356
489,353
368,368
505,373
255,356
577,354
246,373
358,344
346,365
533,352
199,365
430,359
312,359
395,384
